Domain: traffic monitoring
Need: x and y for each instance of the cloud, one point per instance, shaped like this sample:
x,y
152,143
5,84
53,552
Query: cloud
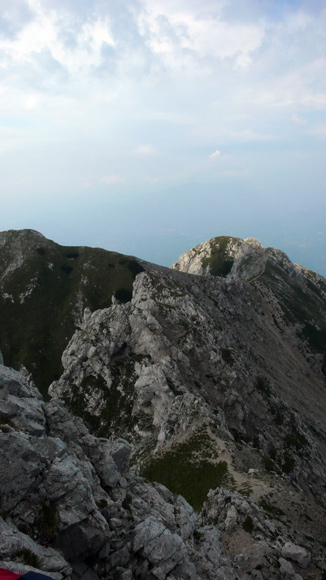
x,y
216,154
249,135
146,150
193,31
318,129
46,31
113,179
298,120
234,173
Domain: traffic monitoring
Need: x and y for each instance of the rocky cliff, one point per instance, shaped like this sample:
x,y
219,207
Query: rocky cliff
x,y
70,505
214,372
44,290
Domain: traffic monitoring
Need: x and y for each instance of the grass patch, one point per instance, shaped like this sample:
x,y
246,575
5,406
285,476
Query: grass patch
x,y
126,503
300,306
197,535
71,255
181,472
263,385
27,557
219,262
248,525
66,268
270,465
36,329
47,523
119,399
227,355
271,509
123,295
288,464
6,425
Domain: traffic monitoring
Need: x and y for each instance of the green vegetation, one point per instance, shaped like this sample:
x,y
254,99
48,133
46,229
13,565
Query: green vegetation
x,y
183,470
271,509
102,504
263,385
270,465
278,415
6,425
248,525
288,463
47,522
126,504
197,536
27,557
118,398
72,255
295,439
38,317
227,355
219,262
299,305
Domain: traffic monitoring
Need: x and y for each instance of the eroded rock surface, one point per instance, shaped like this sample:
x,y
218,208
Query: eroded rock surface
x,y
72,507
214,372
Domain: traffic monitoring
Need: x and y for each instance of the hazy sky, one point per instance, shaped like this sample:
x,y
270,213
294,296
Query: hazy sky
x,y
148,126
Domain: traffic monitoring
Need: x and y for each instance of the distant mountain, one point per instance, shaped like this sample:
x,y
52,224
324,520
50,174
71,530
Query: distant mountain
x,y
44,291
213,370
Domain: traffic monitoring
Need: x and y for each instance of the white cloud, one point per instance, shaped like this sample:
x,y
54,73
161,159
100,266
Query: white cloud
x,y
46,32
145,149
113,179
202,33
233,173
319,129
249,135
298,120
216,154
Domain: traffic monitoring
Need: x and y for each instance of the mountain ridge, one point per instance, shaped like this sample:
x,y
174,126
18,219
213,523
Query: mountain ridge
x,y
218,377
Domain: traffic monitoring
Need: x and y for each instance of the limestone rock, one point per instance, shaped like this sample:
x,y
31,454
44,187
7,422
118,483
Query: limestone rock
x,y
69,499
297,554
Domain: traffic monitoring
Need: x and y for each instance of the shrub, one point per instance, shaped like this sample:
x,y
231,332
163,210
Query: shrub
x,y
28,557
248,525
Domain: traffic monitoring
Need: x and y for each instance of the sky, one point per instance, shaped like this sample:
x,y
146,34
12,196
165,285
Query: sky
x,y
148,126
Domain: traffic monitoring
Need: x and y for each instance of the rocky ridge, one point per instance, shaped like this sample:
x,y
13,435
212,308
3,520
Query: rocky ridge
x,y
70,505
44,290
216,377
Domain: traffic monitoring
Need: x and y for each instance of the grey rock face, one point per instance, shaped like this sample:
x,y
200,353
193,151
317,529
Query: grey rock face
x,y
186,371
296,554
75,500
213,378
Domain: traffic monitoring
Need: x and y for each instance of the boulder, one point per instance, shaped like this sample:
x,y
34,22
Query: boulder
x,y
297,554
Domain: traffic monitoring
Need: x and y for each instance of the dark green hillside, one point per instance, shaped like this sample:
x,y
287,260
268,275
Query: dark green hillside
x,y
44,288
302,302
219,263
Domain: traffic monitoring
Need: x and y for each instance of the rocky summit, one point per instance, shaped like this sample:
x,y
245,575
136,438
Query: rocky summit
x,y
182,432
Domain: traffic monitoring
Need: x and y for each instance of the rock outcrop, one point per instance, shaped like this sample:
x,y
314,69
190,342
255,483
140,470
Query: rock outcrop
x,y
72,507
44,289
214,371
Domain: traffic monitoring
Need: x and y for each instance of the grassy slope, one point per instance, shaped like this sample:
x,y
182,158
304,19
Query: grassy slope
x,y
35,330
219,263
303,306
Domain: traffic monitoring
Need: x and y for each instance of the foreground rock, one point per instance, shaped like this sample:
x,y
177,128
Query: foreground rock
x,y
71,506
214,371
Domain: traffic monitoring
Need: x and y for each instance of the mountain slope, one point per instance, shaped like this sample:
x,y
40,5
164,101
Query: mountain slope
x,y
44,290
70,506
215,375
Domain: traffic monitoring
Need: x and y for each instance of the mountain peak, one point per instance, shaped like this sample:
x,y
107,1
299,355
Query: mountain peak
x,y
232,258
